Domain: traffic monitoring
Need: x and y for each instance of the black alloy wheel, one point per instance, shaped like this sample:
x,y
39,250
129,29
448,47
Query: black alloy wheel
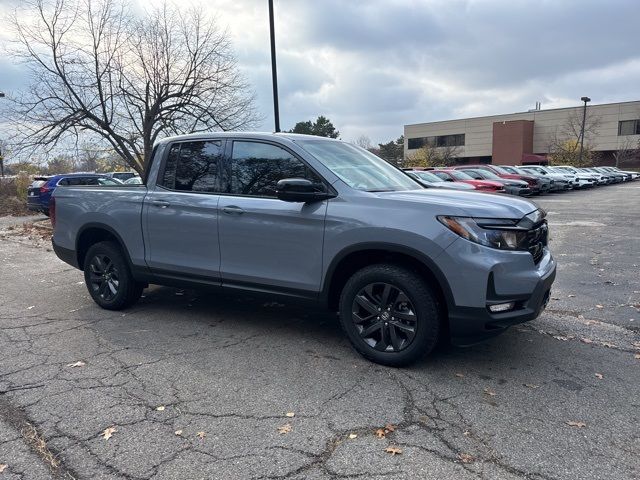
x,y
390,313
104,278
384,317
108,277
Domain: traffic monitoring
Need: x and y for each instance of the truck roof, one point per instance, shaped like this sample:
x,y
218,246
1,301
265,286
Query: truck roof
x,y
255,135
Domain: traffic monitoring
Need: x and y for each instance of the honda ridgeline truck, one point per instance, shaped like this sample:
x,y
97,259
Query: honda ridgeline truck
x,y
318,219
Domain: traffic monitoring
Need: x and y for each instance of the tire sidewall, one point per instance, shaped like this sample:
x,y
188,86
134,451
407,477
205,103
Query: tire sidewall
x,y
422,299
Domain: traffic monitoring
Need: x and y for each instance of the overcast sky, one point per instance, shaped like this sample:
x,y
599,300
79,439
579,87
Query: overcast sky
x,y
372,66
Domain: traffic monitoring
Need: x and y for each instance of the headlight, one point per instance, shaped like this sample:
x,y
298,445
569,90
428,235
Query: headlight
x,y
490,232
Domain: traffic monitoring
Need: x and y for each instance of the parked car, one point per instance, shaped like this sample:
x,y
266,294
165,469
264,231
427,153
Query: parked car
x,y
578,180
616,177
433,181
122,176
512,187
317,219
545,184
634,175
534,183
629,176
39,193
594,178
461,177
561,183
134,181
607,176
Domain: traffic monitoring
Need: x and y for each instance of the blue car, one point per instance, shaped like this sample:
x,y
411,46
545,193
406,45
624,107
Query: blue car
x,y
39,192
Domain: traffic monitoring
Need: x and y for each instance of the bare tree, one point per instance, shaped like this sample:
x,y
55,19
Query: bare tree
x,y
627,152
363,141
101,72
564,143
431,156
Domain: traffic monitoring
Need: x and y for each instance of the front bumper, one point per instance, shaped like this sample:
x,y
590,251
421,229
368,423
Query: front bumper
x,y
470,325
480,276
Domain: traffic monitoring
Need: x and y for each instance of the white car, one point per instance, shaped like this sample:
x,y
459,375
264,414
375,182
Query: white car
x,y
557,177
579,179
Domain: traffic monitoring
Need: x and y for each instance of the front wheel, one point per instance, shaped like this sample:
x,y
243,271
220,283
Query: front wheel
x,y
108,277
390,314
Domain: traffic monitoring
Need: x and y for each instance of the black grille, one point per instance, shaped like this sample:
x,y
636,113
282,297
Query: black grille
x,y
536,241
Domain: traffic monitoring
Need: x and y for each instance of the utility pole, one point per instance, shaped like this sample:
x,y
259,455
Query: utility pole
x,y
274,72
584,119
1,157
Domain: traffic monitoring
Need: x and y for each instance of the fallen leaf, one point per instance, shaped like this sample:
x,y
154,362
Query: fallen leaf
x,y
576,424
32,306
160,408
178,432
3,466
609,345
570,296
637,356
393,450
560,337
466,433
531,385
353,435
76,364
108,432
489,392
290,414
600,376
459,375
586,340
466,458
599,306
283,430
389,428
201,434
380,433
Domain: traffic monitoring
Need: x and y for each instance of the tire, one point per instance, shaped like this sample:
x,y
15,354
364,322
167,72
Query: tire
x,y
108,277
407,331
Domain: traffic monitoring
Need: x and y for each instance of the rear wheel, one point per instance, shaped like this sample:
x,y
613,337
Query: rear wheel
x,y
108,277
390,314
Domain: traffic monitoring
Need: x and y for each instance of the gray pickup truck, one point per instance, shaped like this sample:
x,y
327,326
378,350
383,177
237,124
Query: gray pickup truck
x,y
317,219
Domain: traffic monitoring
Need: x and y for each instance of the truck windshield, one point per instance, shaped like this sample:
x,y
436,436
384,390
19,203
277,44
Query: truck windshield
x,y
358,168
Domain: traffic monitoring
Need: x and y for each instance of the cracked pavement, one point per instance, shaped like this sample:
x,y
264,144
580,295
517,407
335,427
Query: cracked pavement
x,y
232,366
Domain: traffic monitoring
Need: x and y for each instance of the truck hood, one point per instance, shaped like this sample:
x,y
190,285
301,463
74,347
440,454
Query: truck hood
x,y
469,204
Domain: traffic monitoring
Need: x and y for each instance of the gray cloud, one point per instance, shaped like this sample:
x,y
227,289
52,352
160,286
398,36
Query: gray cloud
x,y
372,66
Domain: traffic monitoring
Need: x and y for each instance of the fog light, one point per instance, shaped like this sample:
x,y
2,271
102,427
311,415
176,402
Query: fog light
x,y
502,307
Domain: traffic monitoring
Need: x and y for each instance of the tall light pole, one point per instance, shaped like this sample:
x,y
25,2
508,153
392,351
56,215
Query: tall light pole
x,y
1,157
274,72
584,119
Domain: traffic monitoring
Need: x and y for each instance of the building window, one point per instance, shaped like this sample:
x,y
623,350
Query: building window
x,y
415,143
629,127
456,140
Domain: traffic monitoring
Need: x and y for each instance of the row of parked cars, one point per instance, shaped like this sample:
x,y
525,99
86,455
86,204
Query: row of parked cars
x,y
40,191
523,180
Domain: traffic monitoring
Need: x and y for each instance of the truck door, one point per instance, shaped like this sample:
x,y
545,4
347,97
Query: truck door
x,y
181,212
265,242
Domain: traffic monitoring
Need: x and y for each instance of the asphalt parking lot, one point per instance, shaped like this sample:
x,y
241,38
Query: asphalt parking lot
x,y
192,385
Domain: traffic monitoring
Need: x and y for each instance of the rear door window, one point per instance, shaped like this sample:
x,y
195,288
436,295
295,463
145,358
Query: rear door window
x,y
193,166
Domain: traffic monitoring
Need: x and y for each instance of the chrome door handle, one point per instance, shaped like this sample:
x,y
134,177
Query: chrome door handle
x,y
160,203
232,210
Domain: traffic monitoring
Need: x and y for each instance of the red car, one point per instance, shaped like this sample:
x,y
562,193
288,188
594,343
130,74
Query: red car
x,y
534,183
450,175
